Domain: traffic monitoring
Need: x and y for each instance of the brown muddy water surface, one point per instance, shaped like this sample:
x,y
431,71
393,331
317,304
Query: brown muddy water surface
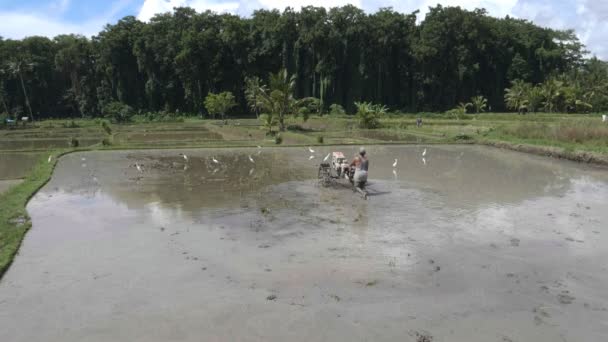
x,y
469,244
16,165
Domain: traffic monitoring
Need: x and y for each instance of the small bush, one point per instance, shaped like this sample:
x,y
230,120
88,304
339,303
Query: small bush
x,y
118,112
106,142
74,142
106,127
71,124
320,139
336,109
368,114
278,139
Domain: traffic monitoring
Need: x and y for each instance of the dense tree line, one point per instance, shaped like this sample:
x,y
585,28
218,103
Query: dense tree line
x,y
339,56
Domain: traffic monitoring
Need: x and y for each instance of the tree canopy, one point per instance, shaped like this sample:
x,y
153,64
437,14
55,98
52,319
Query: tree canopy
x,y
339,56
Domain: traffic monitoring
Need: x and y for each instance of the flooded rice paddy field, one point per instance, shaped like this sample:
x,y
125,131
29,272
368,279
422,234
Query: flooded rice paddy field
x,y
467,244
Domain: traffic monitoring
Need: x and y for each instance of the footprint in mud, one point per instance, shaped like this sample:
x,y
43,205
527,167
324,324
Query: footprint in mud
x,y
422,336
565,298
515,242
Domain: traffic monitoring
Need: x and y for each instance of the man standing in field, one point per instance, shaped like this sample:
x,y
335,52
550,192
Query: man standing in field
x,y
361,165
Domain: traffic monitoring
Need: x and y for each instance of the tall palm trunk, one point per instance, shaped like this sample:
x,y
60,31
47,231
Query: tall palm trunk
x,y
27,100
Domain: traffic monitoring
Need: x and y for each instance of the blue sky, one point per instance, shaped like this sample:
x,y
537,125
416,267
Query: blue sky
x,y
20,18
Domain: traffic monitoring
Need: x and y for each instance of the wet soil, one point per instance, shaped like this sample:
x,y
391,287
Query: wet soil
x,y
467,243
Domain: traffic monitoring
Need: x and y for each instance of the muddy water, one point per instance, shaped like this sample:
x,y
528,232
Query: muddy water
x,y
17,165
467,244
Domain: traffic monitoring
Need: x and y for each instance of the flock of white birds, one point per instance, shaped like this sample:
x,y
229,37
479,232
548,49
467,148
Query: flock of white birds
x,y
310,149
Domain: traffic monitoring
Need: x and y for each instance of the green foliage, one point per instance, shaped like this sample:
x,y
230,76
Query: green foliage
x,y
70,124
515,97
320,139
253,94
118,112
552,93
479,104
268,121
106,127
534,99
278,139
106,142
219,104
369,115
336,110
279,100
340,56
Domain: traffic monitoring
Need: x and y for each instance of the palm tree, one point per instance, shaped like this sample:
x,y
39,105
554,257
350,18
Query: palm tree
x,y
253,94
268,123
551,92
17,69
534,98
278,100
479,103
463,108
515,97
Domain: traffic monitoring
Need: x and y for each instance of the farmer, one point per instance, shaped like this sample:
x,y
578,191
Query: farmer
x,y
361,164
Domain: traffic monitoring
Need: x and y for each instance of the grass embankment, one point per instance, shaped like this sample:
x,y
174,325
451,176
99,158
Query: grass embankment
x,y
14,220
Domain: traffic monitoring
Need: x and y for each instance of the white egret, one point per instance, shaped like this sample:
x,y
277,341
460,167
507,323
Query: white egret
x,y
311,157
395,163
260,147
50,158
215,160
139,168
215,171
251,160
185,157
424,161
327,157
83,159
424,153
311,150
251,171
395,173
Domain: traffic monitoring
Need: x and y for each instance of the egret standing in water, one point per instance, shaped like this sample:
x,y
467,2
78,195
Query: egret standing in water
x,y
50,158
327,157
311,150
215,160
395,163
311,157
138,167
424,153
185,157
251,160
